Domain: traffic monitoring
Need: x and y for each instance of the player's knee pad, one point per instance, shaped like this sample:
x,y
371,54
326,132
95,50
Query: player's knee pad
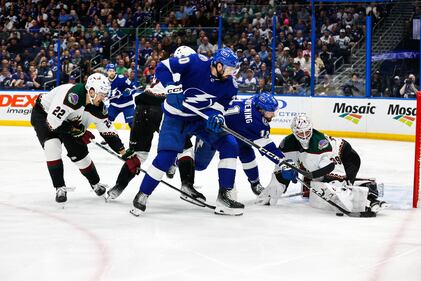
x,y
83,163
52,149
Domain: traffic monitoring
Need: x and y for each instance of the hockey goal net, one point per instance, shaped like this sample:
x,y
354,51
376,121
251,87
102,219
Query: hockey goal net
x,y
417,181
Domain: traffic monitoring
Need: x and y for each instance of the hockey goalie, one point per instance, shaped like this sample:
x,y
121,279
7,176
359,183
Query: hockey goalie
x,y
334,165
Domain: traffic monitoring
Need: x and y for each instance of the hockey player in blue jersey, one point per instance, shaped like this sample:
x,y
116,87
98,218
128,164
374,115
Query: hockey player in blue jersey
x,y
202,83
250,118
121,99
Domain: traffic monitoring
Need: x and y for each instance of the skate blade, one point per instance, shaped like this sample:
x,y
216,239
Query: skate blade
x,y
188,199
229,211
136,212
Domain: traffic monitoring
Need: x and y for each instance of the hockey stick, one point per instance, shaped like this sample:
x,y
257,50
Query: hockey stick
x,y
342,210
199,203
262,150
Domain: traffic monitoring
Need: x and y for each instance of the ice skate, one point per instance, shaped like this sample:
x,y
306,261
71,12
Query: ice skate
x,y
171,172
99,188
115,191
139,204
189,189
256,187
225,205
61,195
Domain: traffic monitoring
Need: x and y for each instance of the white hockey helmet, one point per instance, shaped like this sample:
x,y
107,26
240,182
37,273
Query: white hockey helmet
x,y
99,83
183,51
302,128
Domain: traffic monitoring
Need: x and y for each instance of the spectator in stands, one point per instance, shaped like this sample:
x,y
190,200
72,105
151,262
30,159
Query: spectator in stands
x,y
35,82
121,68
408,90
256,62
20,78
263,52
261,86
354,87
205,47
263,73
327,58
395,88
149,71
344,46
250,79
377,88
298,73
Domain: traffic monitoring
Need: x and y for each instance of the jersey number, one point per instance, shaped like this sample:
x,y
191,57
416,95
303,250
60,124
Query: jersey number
x,y
59,112
107,123
264,134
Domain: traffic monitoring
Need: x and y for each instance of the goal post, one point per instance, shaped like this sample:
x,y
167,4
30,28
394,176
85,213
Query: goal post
x,y
416,195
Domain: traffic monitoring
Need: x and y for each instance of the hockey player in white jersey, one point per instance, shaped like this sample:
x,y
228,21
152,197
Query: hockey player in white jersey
x,y
62,116
336,165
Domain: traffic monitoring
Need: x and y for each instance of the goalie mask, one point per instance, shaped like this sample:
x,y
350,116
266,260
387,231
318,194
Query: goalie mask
x,y
302,128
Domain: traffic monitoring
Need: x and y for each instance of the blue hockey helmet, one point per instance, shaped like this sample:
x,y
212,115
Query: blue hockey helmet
x,y
110,66
265,101
228,59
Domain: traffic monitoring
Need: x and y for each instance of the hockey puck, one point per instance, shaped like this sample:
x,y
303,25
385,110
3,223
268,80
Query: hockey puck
x,y
340,214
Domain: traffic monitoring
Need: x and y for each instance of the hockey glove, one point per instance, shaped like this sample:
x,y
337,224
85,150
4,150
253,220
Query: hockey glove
x,y
215,122
132,161
288,173
174,89
81,134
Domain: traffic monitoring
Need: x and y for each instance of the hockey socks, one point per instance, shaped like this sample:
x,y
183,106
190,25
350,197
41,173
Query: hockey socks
x,y
55,168
90,173
156,171
186,167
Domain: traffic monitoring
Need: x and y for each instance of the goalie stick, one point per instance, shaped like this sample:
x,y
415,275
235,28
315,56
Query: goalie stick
x,y
342,210
262,150
199,203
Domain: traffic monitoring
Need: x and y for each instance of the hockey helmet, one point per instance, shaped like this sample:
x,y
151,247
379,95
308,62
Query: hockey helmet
x,y
265,101
302,128
99,83
183,51
228,59
110,66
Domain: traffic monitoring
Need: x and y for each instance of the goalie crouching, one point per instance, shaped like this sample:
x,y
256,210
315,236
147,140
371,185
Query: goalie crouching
x,y
334,165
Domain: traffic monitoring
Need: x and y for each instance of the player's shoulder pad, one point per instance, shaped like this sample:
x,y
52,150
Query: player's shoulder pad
x,y
75,97
319,143
99,111
121,76
289,144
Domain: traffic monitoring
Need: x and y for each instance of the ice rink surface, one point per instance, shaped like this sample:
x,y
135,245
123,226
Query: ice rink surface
x,y
174,240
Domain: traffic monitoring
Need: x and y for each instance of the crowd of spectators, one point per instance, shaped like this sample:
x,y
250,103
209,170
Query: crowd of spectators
x,y
30,32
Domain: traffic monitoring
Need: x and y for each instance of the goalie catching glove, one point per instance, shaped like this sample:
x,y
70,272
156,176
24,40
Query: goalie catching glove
x,y
82,135
132,161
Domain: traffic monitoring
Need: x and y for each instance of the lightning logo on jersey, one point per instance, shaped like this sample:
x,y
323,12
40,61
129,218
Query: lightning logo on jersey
x,y
196,98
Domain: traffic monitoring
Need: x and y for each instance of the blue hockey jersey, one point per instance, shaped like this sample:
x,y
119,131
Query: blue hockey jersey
x,y
121,86
200,88
246,120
